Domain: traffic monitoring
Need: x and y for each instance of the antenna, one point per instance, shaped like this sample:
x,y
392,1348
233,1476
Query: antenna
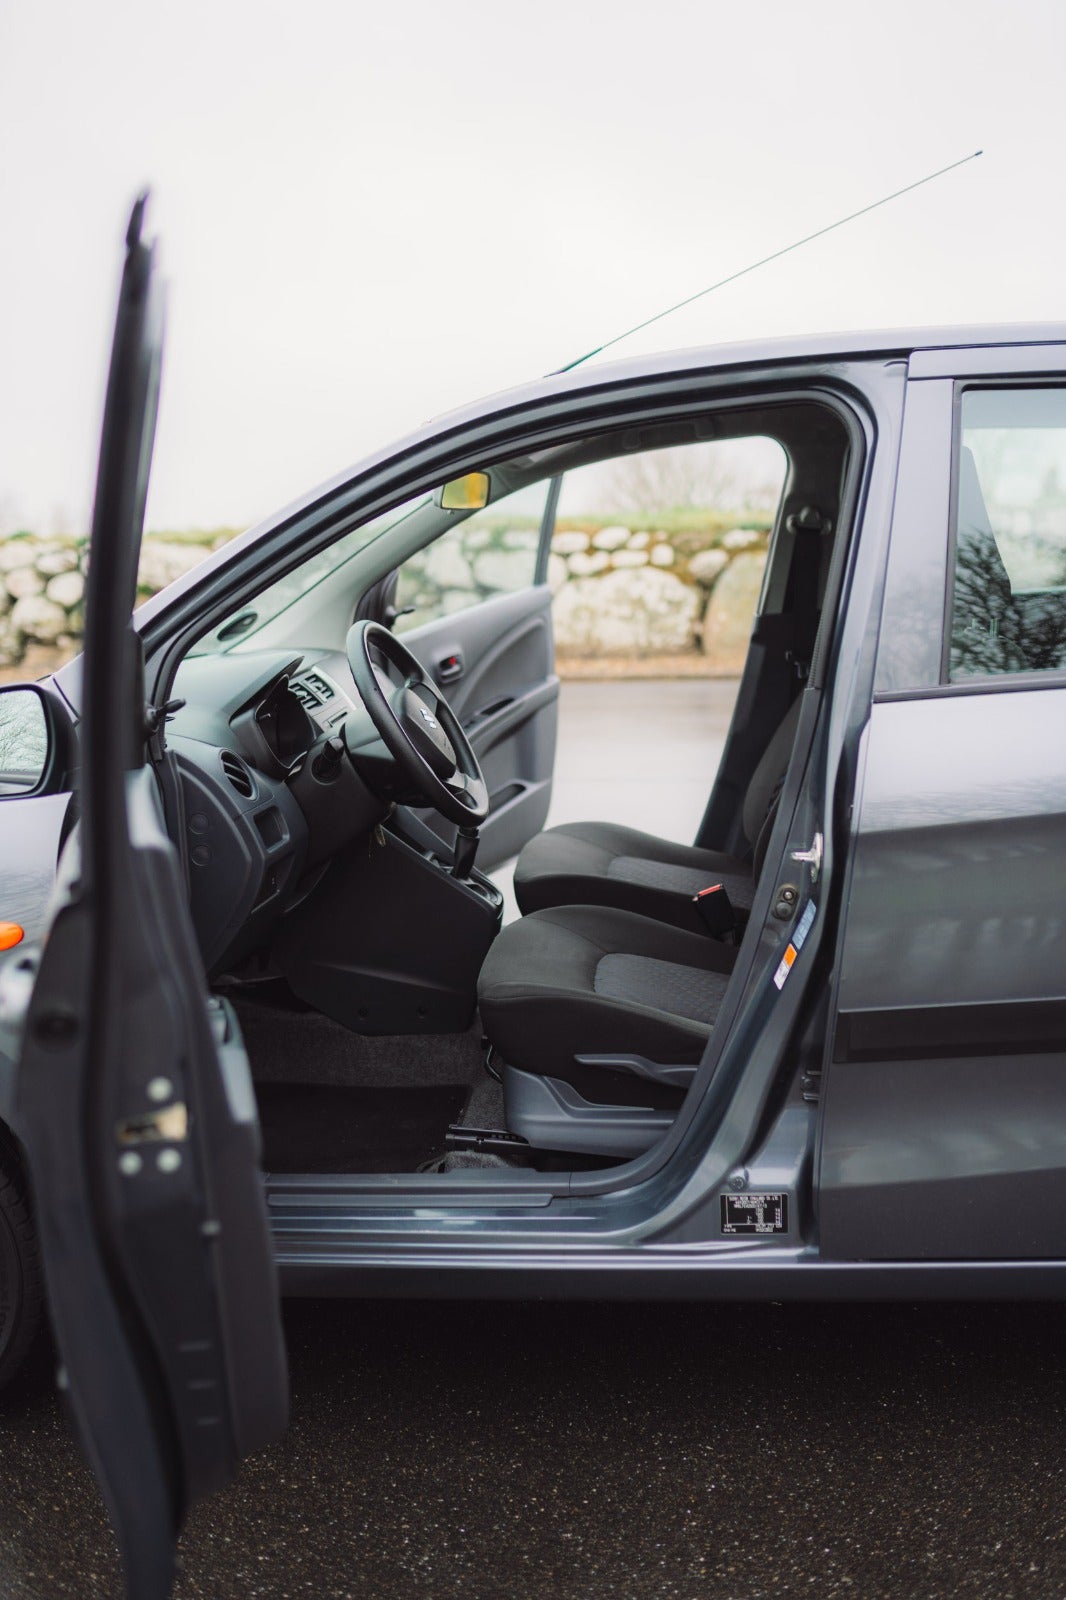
x,y
774,256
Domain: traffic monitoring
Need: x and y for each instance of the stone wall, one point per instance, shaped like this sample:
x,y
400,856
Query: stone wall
x,y
620,590
42,586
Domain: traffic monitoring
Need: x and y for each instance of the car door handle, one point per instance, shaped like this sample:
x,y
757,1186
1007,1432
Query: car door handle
x,y
449,668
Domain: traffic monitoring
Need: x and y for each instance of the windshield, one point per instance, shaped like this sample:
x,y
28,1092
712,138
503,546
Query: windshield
x,y
243,624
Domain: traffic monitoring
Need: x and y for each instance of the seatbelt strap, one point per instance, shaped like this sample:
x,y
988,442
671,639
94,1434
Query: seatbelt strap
x,y
804,581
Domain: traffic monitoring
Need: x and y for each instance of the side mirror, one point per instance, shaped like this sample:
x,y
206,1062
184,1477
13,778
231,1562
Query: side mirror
x,y
25,744
469,493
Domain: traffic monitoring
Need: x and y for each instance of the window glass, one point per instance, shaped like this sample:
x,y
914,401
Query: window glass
x,y
489,553
1009,597
661,555
244,624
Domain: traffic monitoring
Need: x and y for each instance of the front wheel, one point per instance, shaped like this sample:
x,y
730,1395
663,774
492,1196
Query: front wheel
x,y
21,1285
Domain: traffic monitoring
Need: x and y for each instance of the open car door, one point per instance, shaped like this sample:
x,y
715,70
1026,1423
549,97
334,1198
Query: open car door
x,y
133,1099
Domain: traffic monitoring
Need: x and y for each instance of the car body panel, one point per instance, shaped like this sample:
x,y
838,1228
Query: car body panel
x,y
30,840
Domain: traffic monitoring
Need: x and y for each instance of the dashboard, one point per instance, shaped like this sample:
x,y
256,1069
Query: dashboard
x,y
267,795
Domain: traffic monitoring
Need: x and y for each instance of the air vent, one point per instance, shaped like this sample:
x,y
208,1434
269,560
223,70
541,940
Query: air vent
x,y
237,773
320,685
305,694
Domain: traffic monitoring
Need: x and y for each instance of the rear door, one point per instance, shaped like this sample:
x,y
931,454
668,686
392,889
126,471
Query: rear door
x,y
945,1108
133,1099
480,621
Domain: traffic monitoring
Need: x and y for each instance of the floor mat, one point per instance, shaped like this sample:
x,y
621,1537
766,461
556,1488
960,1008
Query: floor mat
x,y
315,1128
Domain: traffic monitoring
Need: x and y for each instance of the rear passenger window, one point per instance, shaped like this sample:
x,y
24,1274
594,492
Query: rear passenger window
x,y
1009,596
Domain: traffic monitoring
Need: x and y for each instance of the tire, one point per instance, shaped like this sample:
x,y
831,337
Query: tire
x,y
21,1282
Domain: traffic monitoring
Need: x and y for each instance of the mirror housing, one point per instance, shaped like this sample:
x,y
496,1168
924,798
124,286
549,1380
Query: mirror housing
x,y
468,493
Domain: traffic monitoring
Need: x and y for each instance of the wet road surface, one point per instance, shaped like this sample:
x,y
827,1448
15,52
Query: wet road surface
x,y
594,1451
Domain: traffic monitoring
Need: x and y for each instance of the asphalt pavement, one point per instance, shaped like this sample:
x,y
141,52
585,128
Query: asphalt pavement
x,y
585,1452
715,1452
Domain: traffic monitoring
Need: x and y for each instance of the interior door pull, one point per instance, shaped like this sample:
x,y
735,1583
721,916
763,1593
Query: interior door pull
x,y
449,668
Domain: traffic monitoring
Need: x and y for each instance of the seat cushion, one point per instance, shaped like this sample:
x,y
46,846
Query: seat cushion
x,y
602,863
592,980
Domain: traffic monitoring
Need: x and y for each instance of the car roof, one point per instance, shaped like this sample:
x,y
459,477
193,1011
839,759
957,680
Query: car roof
x,y
859,341
777,351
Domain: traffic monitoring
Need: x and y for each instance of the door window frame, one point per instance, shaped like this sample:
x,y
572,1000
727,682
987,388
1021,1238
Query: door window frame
x,y
914,643
702,1136
986,681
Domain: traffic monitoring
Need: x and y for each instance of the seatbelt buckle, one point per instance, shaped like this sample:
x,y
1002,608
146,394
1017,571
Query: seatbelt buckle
x,y
716,910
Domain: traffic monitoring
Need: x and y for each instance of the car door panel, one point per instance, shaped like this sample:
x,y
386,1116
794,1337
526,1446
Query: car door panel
x,y
945,1115
132,1094
945,1095
506,696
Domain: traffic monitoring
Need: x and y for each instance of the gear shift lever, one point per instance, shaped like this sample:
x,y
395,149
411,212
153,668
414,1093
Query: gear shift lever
x,y
466,844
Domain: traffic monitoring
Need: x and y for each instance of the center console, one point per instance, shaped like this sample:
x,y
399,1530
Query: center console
x,y
392,940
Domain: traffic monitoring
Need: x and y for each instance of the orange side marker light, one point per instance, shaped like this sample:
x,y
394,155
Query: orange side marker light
x,y
10,935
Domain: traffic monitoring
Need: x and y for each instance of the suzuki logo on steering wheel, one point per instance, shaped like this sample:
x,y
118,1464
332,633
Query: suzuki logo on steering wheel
x,y
426,717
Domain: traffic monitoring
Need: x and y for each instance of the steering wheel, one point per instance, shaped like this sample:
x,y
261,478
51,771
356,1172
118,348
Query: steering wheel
x,y
417,725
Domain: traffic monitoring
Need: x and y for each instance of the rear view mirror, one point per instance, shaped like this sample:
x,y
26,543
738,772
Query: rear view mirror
x,y
469,493
23,740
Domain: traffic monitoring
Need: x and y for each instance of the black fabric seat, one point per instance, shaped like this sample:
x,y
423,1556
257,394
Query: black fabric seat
x,y
591,980
604,864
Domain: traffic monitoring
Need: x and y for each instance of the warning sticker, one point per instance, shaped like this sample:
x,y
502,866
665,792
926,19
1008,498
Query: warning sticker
x,y
755,1213
795,944
786,966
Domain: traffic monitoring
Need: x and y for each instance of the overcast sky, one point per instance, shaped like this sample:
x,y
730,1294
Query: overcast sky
x,y
369,214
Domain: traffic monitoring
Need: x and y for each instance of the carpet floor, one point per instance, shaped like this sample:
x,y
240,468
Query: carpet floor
x,y
317,1128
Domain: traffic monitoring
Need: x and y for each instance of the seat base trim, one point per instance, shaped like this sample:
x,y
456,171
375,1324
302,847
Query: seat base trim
x,y
551,1115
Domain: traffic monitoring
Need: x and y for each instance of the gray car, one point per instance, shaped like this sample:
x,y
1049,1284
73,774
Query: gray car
x,y
819,1052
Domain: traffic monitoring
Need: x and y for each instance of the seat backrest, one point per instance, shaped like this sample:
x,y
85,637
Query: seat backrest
x,y
765,784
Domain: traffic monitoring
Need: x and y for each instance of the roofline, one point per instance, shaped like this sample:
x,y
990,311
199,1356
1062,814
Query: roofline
x,y
876,344
796,349
865,341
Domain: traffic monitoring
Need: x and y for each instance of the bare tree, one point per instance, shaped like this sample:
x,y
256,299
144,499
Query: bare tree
x,y
726,475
